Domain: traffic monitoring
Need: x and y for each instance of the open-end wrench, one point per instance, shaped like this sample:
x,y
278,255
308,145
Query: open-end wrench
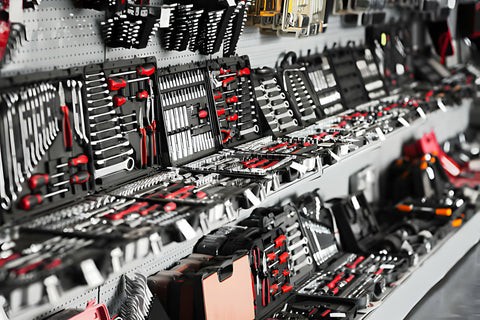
x,y
5,201
126,143
308,261
24,139
32,128
80,105
39,146
117,136
254,129
127,165
104,92
13,194
72,84
110,104
42,96
93,117
298,244
17,170
103,161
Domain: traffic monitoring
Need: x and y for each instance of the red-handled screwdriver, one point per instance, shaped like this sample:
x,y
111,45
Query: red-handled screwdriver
x,y
119,100
39,180
203,114
75,162
145,71
132,209
32,200
115,84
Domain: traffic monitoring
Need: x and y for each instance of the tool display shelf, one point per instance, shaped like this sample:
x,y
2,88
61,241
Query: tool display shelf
x,y
333,182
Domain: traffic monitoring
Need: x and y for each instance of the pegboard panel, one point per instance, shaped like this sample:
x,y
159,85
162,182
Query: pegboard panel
x,y
61,36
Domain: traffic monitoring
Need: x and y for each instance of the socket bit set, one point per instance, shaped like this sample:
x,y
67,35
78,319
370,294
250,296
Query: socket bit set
x,y
188,119
274,103
320,73
372,79
122,113
234,97
43,152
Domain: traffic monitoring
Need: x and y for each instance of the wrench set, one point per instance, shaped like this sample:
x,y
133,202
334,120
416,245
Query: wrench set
x,y
42,154
274,103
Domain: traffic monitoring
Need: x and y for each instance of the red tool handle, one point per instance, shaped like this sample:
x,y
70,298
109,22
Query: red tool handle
x,y
227,81
153,127
181,191
258,164
67,129
134,208
201,195
244,72
146,70
225,71
278,146
232,118
115,84
280,240
80,178
227,135
143,147
142,95
271,256
218,96
271,164
119,101
203,114
11,257
145,212
335,280
30,201
169,207
75,162
38,181
233,99
355,263
283,258
220,112
287,288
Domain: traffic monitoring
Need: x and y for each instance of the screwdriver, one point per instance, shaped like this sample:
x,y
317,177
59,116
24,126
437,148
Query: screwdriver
x,y
119,100
40,180
32,200
115,84
144,71
75,162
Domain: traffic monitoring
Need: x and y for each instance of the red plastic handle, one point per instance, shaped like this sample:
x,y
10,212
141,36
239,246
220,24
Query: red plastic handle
x,y
143,147
146,70
119,101
67,129
115,84
38,181
134,208
75,162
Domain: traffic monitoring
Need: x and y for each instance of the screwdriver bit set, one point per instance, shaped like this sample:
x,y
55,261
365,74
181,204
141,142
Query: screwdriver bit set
x,y
188,118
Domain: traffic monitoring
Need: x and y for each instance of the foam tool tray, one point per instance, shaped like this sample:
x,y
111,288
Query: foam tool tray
x,y
38,268
371,76
275,103
324,83
295,81
137,227
45,158
347,75
187,117
238,117
309,307
123,116
230,162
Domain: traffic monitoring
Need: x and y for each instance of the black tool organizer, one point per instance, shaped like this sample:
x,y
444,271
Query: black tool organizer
x,y
45,140
123,122
347,75
323,83
390,45
295,81
187,116
234,100
371,76
274,102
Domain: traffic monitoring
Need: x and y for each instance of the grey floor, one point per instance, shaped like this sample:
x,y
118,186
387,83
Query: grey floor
x,y
457,296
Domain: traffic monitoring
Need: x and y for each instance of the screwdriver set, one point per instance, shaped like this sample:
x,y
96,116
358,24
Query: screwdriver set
x,y
43,155
276,107
122,113
188,118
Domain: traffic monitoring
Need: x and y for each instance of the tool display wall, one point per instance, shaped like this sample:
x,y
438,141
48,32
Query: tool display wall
x,y
95,161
